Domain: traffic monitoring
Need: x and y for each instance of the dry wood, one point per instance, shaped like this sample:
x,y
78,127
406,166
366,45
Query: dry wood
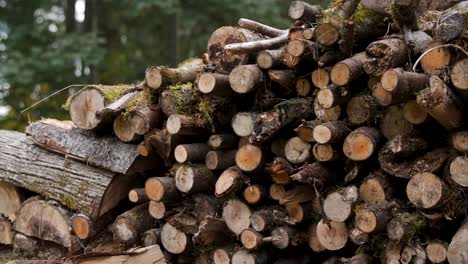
x,y
325,152
245,257
174,240
373,218
401,157
436,60
375,188
326,34
305,131
158,210
297,151
417,193
459,170
280,170
214,83
331,132
260,28
252,240
332,235
277,191
212,232
385,54
285,79
436,251
194,178
328,58
194,152
338,205
303,49
151,237
460,141
321,77
403,85
299,10
332,96
301,212
236,215
162,189
314,242
360,144
243,123
458,76
256,46
6,231
358,237
246,78
137,195
308,33
362,110
84,227
250,158
265,219
128,226
11,198
414,113
31,247
254,194
269,59
458,248
348,70
132,125
314,173
160,76
219,159
393,123
105,152
185,222
284,236
442,104
162,143
186,125
222,141
230,181
324,114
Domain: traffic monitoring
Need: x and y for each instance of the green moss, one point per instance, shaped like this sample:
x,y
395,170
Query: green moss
x,y
142,99
69,202
364,15
183,95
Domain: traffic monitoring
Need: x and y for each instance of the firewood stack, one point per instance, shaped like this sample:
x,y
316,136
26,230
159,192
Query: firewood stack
x,y
342,139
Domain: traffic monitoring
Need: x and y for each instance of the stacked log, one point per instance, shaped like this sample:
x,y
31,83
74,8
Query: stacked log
x,y
344,136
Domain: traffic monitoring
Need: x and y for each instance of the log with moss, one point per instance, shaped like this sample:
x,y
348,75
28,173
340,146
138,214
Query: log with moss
x,y
160,76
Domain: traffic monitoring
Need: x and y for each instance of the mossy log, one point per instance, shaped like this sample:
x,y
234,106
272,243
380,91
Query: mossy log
x,y
160,76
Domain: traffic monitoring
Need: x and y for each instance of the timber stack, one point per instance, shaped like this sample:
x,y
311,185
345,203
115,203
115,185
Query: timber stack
x,y
341,139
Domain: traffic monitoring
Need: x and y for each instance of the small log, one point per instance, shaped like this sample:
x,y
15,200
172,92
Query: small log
x,y
460,141
358,237
436,60
151,237
160,76
129,225
252,240
298,194
308,33
326,34
84,227
360,144
385,54
375,188
283,236
285,78
246,78
132,125
85,104
6,231
348,70
212,232
297,151
458,248
137,195
314,173
254,194
442,104
325,152
268,124
186,125
106,152
326,114
414,113
12,199
162,143
267,218
162,189
269,59
220,160
280,170
236,215
331,132
400,157
260,28
194,152
305,131
384,97
258,45
303,49
314,242
299,10
332,235
362,110
250,158
214,83
417,193
158,210
338,205
245,257
373,218
184,222
321,77
332,96
174,240
436,251
403,85
194,178
458,76
222,141
277,191
230,181
224,254
459,170
243,123
405,226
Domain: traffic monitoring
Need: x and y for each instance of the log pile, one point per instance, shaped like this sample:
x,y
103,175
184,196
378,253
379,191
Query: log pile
x,y
342,139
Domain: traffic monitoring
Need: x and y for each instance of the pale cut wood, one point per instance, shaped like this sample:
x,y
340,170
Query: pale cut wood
x,y
90,190
214,83
222,141
194,152
128,226
11,198
306,130
194,178
331,132
314,242
436,251
269,59
224,254
418,194
332,235
347,70
373,218
326,34
402,84
297,151
230,181
236,215
360,144
303,87
157,209
375,188
299,10
162,189
254,194
338,205
30,247
252,240
265,219
301,213
250,158
459,170
332,96
459,76
325,152
158,76
174,240
219,159
137,195
133,124
211,232
321,77
186,125
243,123
246,78
106,152
458,248
6,231
460,141
245,257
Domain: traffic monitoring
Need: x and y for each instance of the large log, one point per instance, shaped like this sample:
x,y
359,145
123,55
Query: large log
x,y
106,152
80,187
151,254
458,248
161,76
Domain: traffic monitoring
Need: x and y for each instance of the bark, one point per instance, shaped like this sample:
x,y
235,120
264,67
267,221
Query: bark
x,y
90,190
303,49
84,227
137,195
280,170
300,193
105,152
321,77
305,131
373,218
284,78
314,173
299,10
362,110
403,85
224,254
194,152
220,159
332,235
250,158
162,189
222,141
458,247
402,157
268,124
360,144
459,170
128,226
301,212
338,205
246,78
442,104
348,70
417,193
96,106
265,219
186,125
297,151
393,123
385,54
226,61
333,96
260,28
163,144
12,198
212,232
269,59
184,222
452,23
236,214
331,132
283,236
194,178
160,76
214,83
230,181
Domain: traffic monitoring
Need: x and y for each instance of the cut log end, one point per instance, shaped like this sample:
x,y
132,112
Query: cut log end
x,y
414,113
459,170
153,77
436,60
277,192
229,181
336,208
249,158
436,251
321,78
366,220
297,151
253,194
332,235
245,78
361,143
173,240
460,141
82,226
157,209
459,75
326,34
206,83
243,123
83,108
371,191
250,239
303,87
220,256
236,215
425,190
154,188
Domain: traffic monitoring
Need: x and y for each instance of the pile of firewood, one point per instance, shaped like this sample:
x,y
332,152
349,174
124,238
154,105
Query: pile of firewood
x,y
342,139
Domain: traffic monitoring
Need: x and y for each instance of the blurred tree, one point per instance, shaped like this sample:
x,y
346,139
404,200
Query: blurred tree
x,y
48,44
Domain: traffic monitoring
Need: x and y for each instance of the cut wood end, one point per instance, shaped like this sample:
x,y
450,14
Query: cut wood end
x,y
424,190
249,239
206,83
325,98
133,196
277,191
436,252
296,47
358,146
336,208
243,257
414,113
389,80
459,74
303,87
184,178
236,215
153,77
323,152
326,34
322,134
295,211
180,154
371,191
243,78
220,256
320,78
143,150
459,170
264,60
280,238
154,189
173,240
257,222
173,124
83,108
296,10
243,123
157,209
366,220
249,157
435,61
297,150
81,226
332,235
382,96
226,180
253,194
340,74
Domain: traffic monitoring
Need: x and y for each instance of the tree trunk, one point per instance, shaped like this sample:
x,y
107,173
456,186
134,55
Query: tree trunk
x,y
458,77
89,190
460,141
260,28
314,173
326,34
436,60
314,242
324,114
358,237
414,113
436,251
220,159
133,124
417,193
150,254
230,181
186,125
331,132
243,123
265,219
325,152
128,226
376,188
303,87
305,131
151,237
254,194
403,85
393,123
404,226
104,152
195,152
